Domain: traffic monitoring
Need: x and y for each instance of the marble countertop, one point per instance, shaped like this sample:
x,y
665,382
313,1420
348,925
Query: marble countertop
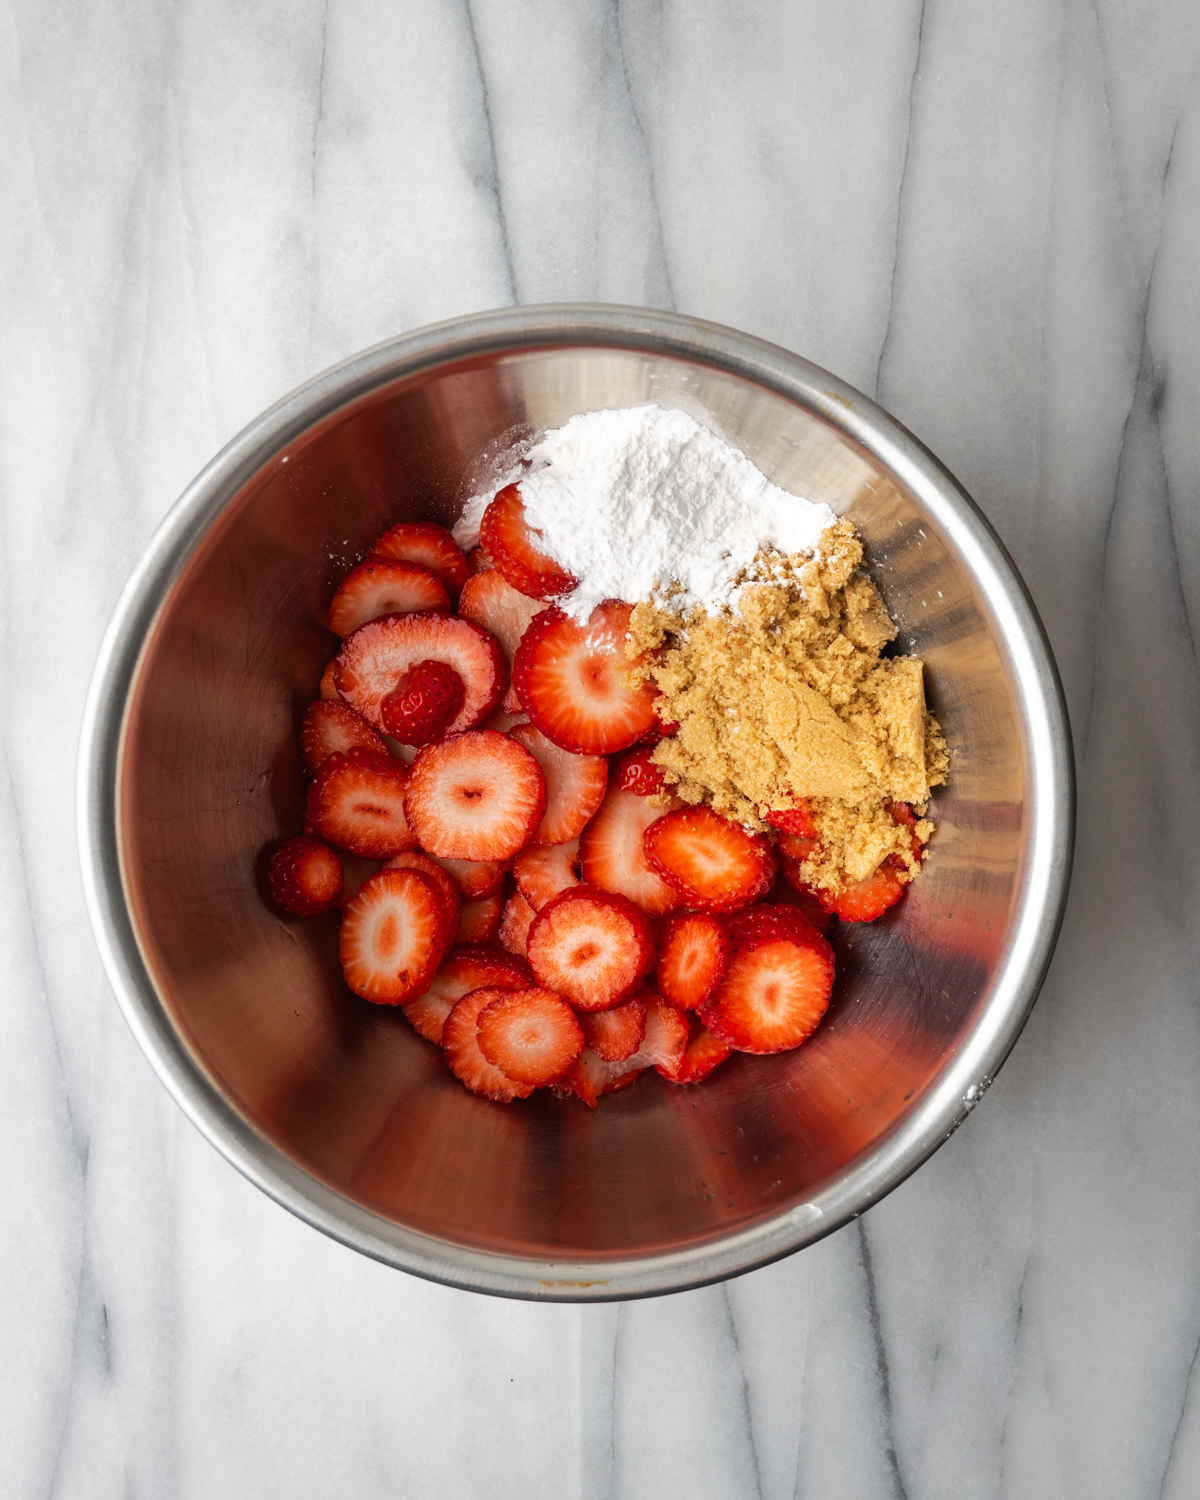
x,y
984,215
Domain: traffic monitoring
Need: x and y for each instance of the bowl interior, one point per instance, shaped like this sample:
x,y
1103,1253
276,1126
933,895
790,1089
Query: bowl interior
x,y
209,774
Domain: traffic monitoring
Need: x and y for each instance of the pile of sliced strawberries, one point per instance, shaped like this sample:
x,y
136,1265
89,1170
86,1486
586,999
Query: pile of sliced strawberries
x,y
479,814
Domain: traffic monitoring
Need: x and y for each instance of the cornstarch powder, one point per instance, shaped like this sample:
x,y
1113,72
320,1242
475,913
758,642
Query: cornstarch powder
x,y
644,502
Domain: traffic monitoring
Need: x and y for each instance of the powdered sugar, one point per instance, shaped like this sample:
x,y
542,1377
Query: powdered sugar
x,y
641,500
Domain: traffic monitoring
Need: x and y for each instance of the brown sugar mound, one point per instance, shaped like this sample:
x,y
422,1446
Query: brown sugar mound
x,y
787,695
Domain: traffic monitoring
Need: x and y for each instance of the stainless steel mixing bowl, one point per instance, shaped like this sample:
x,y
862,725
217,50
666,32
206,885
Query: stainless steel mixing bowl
x,y
335,1107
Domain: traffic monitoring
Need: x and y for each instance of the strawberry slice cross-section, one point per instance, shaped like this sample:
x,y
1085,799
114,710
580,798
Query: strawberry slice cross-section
x,y
532,1035
475,796
714,864
571,680
392,935
591,947
774,993
511,543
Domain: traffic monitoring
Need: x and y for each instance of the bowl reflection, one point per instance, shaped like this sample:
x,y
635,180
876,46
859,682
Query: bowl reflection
x,y
190,766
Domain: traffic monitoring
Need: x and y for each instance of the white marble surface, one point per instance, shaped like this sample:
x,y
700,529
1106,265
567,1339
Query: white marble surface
x,y
987,215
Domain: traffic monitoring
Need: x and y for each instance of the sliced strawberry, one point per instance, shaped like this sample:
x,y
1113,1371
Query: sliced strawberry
x,y
380,587
575,785
515,922
463,970
429,544
713,863
331,727
612,855
590,1076
423,704
478,561
509,540
703,1055
775,991
475,878
373,660
305,876
391,937
797,819
636,772
865,899
491,602
477,795
767,922
662,1047
447,891
532,1035
328,690
666,1035
692,953
570,679
543,870
479,921
357,803
616,1034
592,947
460,1041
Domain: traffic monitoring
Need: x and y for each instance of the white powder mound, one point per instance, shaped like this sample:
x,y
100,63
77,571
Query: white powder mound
x,y
637,501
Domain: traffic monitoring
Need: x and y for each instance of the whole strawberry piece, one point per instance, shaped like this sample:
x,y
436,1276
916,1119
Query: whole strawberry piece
x,y
305,876
636,772
424,703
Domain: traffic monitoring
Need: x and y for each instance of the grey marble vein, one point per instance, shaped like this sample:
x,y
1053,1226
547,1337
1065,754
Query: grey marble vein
x,y
988,214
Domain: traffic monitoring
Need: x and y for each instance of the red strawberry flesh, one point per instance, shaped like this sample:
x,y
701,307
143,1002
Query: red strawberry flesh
x,y
373,660
592,948
463,970
357,803
612,853
511,543
331,727
531,1035
460,1042
491,602
381,587
693,951
575,785
542,871
429,544
305,876
713,863
773,995
616,1034
423,704
476,796
570,679
391,937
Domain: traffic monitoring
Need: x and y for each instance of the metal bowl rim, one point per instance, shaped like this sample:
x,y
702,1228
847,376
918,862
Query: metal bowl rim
x,y
1038,699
